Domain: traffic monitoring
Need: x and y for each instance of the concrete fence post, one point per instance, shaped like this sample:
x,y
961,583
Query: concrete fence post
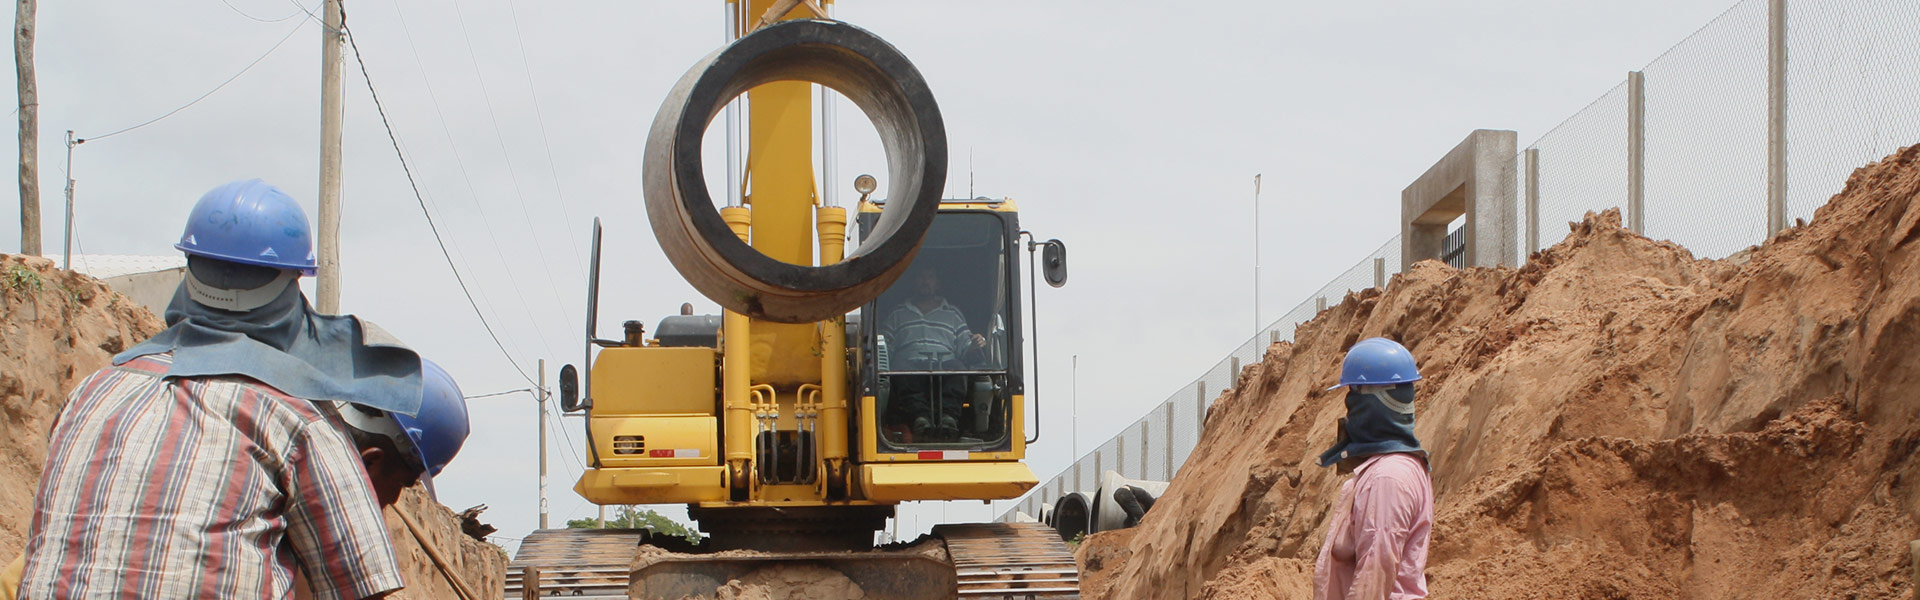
x,y
1380,272
1168,473
1533,200
1636,152
1233,374
1120,454
1200,420
1776,116
1273,336
1146,441
1320,304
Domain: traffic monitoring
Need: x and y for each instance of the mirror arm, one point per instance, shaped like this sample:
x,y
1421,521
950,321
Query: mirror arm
x,y
593,315
1033,323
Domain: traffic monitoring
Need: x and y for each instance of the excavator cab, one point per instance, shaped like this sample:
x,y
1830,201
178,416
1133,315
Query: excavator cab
x,y
941,346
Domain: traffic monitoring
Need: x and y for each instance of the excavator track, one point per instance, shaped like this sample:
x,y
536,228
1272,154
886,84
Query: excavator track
x,y
984,561
583,564
1010,561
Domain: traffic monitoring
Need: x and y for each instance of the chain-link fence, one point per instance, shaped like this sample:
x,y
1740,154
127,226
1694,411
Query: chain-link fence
x,y
1691,135
1155,446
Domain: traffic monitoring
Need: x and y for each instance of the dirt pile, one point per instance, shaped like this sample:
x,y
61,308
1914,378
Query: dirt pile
x,y
482,566
1616,419
57,327
773,581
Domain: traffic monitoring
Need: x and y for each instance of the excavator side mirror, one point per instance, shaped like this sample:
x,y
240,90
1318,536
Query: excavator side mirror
x,y
1053,262
569,389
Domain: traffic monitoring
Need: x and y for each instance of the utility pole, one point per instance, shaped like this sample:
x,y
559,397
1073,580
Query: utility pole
x,y
1256,253
69,237
332,110
540,395
29,129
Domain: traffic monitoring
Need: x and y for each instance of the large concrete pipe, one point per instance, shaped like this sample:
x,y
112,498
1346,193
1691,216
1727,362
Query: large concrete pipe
x,y
1120,502
868,71
1073,515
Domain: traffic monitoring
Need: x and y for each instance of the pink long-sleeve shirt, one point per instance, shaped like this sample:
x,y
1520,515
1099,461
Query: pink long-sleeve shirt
x,y
1376,546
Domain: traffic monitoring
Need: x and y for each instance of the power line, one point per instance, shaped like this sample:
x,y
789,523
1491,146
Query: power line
x,y
513,175
572,449
223,84
404,167
479,207
529,390
466,177
243,13
541,121
323,22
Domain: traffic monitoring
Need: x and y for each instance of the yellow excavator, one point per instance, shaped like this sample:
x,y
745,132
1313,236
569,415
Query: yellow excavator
x,y
836,384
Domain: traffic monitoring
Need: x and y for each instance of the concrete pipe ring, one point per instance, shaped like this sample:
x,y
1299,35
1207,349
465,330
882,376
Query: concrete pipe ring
x,y
868,71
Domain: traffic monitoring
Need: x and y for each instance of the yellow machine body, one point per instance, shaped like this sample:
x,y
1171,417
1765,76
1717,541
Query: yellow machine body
x,y
691,424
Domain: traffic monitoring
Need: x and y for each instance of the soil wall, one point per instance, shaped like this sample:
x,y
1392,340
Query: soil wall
x,y
1616,419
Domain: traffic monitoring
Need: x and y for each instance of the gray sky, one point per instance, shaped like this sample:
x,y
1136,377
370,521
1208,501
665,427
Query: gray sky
x,y
1130,130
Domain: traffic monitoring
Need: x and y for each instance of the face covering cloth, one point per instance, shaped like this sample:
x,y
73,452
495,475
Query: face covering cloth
x,y
289,347
1379,421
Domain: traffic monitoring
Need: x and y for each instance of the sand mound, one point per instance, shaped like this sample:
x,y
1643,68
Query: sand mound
x,y
1616,419
57,327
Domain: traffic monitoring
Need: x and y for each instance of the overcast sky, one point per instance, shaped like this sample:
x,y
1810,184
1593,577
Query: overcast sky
x,y
1130,130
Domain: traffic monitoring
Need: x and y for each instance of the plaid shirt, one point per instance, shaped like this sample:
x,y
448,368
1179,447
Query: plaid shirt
x,y
923,340
215,487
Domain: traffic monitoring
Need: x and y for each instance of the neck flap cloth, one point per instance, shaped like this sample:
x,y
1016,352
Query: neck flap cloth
x,y
1379,421
288,346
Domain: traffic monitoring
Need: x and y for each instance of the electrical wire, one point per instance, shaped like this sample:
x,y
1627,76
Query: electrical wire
x,y
529,390
545,142
572,449
408,169
479,208
243,13
513,176
223,84
322,21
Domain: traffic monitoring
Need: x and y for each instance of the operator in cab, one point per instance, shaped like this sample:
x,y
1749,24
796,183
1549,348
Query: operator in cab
x,y
927,333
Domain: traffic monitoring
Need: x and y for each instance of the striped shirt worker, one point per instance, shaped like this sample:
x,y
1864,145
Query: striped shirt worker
x,y
928,339
206,487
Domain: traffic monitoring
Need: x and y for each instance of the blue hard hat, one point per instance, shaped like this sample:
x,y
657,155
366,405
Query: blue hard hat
x,y
441,427
1378,361
250,222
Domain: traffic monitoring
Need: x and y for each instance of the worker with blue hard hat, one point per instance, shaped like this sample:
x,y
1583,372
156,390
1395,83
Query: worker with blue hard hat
x,y
399,449
1376,545
211,435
